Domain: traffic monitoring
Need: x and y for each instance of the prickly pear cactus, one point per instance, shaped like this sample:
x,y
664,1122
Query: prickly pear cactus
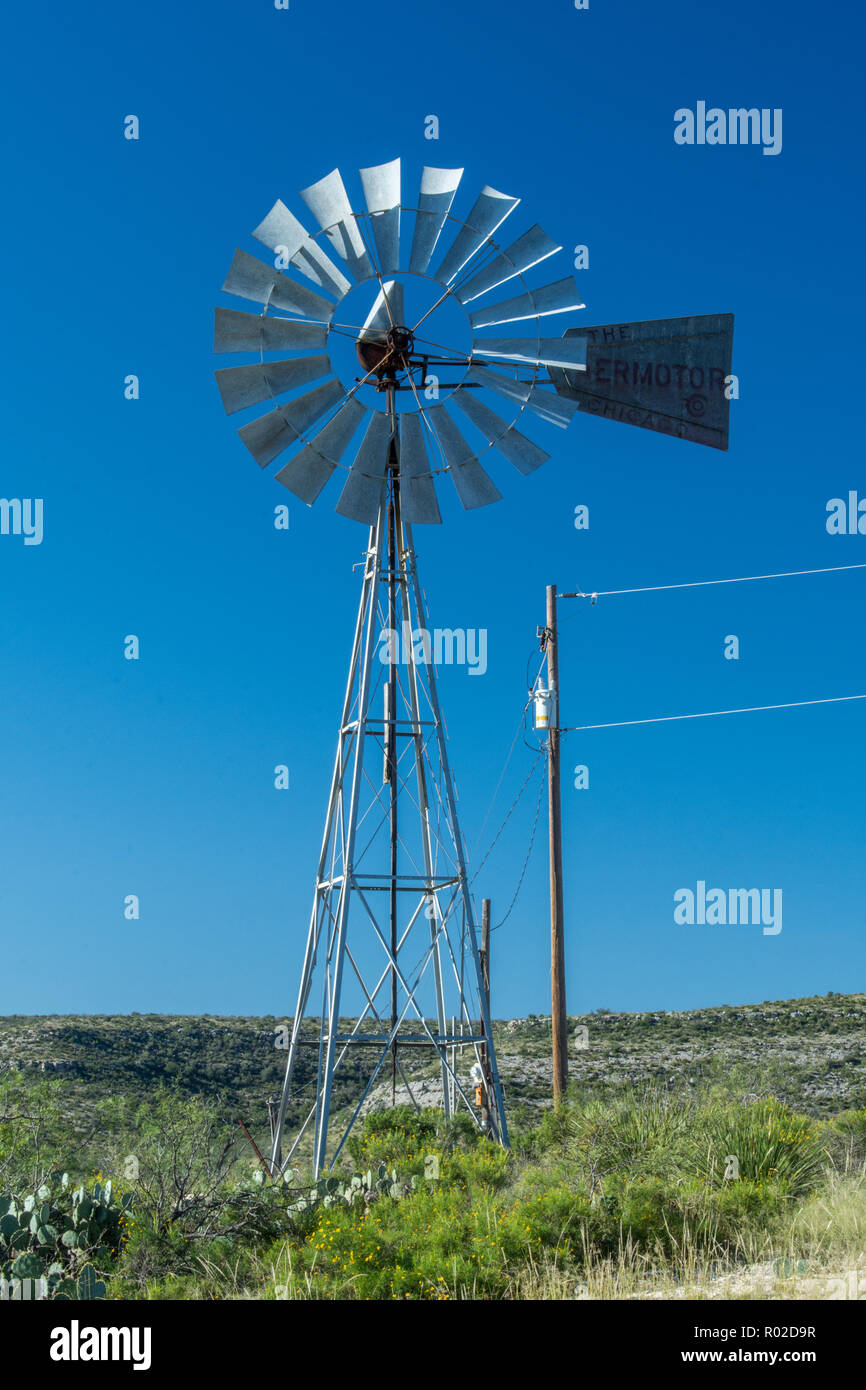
x,y
28,1266
89,1286
60,1224
361,1189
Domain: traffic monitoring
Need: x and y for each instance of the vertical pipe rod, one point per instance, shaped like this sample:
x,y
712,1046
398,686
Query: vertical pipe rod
x,y
391,729
557,922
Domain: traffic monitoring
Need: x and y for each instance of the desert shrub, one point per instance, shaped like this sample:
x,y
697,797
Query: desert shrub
x,y
845,1137
36,1135
426,1146
672,1217
645,1132
167,1266
768,1140
422,1247
648,1213
452,1240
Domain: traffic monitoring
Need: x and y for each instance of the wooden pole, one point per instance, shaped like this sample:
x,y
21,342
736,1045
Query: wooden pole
x,y
557,921
485,977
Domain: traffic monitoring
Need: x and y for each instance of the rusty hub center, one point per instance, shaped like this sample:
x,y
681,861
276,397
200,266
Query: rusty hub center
x,y
386,355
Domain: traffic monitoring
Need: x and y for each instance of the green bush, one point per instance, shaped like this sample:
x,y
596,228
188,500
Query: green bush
x,y
845,1136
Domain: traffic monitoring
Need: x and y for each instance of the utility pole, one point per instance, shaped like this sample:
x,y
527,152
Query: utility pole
x,y
554,800
485,977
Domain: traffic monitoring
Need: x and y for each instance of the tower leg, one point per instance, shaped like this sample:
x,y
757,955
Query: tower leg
x,y
334,828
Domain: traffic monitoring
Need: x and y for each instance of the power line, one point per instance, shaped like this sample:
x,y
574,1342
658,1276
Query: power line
x,y
513,806
710,714
525,862
704,583
501,778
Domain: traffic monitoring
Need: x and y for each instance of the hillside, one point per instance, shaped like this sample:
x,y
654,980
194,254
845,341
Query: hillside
x,y
810,1053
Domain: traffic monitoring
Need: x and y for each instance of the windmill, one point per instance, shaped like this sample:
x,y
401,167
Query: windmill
x,y
399,371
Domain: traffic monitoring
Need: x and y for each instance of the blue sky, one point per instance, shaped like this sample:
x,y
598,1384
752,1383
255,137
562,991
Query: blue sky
x,y
156,777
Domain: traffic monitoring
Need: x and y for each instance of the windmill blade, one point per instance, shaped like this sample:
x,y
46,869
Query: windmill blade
x,y
438,187
536,352
329,203
387,311
261,381
306,474
381,186
235,331
528,250
281,232
417,489
490,211
253,279
362,491
543,403
270,434
474,488
519,450
549,299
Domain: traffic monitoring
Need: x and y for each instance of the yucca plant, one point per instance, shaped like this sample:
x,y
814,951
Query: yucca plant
x,y
764,1141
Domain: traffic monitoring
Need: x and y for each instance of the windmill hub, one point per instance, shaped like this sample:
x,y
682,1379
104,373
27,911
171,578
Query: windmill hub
x,y
388,355
400,335
401,342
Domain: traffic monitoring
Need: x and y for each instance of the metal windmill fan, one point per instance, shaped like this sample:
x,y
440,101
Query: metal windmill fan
x,y
392,856
396,357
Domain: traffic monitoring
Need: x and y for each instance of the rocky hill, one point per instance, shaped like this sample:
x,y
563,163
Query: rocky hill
x,y
809,1052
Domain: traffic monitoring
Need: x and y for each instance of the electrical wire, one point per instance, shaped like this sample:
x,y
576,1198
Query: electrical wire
x,y
705,583
508,817
711,714
533,748
499,783
503,920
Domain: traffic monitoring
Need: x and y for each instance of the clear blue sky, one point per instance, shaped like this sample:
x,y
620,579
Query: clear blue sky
x,y
156,777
